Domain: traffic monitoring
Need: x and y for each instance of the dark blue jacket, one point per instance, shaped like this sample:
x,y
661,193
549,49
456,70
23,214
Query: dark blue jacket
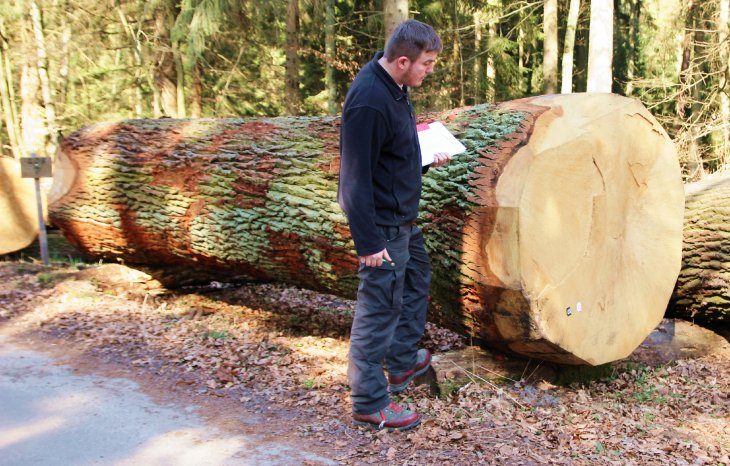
x,y
380,164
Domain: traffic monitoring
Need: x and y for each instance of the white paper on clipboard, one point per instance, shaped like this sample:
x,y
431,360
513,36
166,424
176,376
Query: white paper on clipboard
x,y
434,138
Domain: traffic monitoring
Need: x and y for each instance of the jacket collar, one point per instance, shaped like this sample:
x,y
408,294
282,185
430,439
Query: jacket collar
x,y
396,91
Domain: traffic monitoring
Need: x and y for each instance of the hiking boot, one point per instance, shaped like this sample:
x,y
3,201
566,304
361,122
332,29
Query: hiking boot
x,y
392,417
399,382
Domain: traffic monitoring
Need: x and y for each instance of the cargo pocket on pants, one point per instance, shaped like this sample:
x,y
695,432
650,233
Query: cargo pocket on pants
x,y
377,285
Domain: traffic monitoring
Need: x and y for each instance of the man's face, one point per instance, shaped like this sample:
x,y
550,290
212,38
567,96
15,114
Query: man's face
x,y
416,71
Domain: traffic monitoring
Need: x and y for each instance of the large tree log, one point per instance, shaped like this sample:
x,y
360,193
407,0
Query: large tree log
x,y
557,235
18,207
702,291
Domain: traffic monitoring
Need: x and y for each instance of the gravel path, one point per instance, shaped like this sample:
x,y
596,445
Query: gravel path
x,y
52,415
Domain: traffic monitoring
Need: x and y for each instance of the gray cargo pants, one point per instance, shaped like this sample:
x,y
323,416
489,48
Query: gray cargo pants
x,y
390,317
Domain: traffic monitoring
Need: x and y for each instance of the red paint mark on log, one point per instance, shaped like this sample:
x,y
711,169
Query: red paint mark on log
x,y
258,127
191,214
333,166
184,179
286,249
327,131
158,244
251,130
249,201
342,261
91,238
342,230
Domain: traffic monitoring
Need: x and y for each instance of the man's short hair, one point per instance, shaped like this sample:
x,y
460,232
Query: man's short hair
x,y
410,38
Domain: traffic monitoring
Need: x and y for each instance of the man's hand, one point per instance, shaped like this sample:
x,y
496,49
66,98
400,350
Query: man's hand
x,y
375,260
440,159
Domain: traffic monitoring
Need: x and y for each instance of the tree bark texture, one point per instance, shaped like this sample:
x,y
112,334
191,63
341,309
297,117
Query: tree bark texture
x,y
45,81
32,116
7,94
550,47
723,29
702,292
566,84
478,79
557,235
491,71
7,100
293,103
600,47
394,12
165,72
330,47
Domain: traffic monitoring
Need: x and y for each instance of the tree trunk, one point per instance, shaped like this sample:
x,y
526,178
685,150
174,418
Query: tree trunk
x,y
134,39
331,57
196,93
557,235
550,47
456,58
684,101
8,104
165,73
687,133
394,12
566,86
723,35
702,292
64,60
32,116
45,81
525,81
180,84
491,72
600,53
12,121
478,80
292,58
634,45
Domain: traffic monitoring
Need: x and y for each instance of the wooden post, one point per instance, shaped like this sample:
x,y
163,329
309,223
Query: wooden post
x,y
38,167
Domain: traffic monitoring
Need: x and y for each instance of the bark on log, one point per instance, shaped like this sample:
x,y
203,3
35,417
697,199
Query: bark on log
x,y
702,292
557,235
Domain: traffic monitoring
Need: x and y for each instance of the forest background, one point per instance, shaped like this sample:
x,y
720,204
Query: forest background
x,y
70,63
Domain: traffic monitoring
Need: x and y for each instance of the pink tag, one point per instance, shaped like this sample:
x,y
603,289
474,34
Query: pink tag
x,y
422,126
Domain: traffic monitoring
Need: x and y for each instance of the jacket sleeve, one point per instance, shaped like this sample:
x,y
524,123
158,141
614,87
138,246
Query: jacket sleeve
x,y
363,133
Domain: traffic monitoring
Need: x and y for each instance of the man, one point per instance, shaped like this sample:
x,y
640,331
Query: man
x,y
379,191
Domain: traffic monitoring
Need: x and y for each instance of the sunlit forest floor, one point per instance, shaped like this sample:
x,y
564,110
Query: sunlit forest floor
x,y
282,351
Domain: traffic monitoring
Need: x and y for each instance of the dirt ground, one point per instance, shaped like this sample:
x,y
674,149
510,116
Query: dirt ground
x,y
282,351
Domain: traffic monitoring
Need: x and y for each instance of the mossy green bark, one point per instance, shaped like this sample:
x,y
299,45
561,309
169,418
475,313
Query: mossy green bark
x,y
257,199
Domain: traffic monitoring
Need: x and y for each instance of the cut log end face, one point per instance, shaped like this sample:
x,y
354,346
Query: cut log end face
x,y
599,227
18,206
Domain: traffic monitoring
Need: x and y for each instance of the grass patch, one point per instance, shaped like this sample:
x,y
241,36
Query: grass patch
x,y
44,278
448,387
217,334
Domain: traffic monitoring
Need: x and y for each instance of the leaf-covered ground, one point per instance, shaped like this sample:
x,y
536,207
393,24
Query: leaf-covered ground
x,y
283,351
